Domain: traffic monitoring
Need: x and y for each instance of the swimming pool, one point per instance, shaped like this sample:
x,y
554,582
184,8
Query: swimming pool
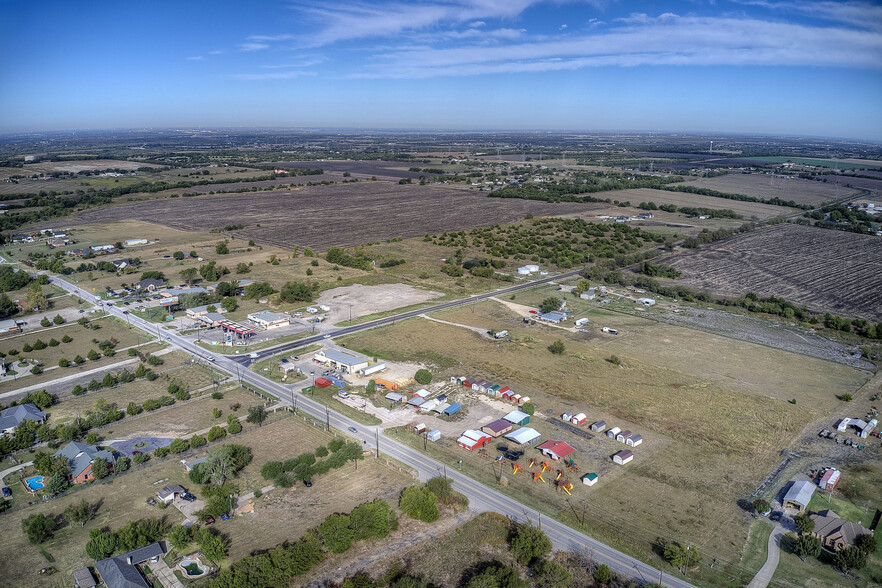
x,y
35,482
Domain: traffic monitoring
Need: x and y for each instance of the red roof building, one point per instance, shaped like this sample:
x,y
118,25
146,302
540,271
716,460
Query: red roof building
x,y
556,450
322,382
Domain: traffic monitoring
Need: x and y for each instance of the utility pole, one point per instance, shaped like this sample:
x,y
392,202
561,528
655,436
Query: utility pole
x,y
328,418
377,436
688,549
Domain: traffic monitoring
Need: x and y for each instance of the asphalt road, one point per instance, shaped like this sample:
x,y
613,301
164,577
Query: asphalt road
x,y
481,498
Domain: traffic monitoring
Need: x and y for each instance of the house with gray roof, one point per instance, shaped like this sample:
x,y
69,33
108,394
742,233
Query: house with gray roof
x,y
835,533
169,493
150,284
122,571
80,457
14,415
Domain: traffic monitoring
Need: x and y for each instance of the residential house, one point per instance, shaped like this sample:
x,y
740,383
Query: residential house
x,y
80,458
13,416
835,533
57,241
122,571
150,284
169,493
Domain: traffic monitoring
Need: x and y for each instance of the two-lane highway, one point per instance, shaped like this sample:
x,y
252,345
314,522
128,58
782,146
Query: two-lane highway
x,y
481,498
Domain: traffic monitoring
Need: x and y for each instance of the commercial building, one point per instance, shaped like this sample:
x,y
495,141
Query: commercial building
x,y
342,361
268,320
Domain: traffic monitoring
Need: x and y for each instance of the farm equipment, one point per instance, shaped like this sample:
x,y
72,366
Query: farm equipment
x,y
537,476
515,468
545,466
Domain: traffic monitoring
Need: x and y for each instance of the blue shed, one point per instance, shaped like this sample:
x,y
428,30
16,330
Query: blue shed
x,y
452,408
336,381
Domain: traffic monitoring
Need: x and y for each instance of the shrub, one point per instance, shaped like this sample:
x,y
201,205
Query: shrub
x,y
38,528
336,533
419,503
161,451
141,458
530,544
557,347
78,390
423,376
179,445
39,345
216,413
54,342
154,360
271,470
216,432
45,322
603,575
197,441
217,395
66,339
234,428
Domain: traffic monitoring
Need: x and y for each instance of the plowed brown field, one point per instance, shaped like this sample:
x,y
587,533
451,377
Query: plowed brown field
x,y
828,271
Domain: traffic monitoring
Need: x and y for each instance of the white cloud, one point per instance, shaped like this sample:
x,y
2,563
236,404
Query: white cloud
x,y
282,75
216,52
562,27
859,14
195,58
249,47
696,41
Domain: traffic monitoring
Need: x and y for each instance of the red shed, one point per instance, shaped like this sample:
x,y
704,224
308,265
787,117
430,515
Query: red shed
x,y
322,382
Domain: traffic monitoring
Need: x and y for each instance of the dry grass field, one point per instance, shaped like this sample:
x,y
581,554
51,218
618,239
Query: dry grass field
x,y
323,216
746,209
714,419
828,271
796,189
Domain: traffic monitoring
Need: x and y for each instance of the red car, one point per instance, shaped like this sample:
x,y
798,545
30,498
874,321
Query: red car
x,y
534,312
209,520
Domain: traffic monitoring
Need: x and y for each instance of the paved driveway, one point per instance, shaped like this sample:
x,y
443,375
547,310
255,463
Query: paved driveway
x,y
128,446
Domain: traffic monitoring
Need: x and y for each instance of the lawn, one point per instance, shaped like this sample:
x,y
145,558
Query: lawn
x,y
285,514
269,368
700,422
328,397
191,377
792,572
186,419
119,500
844,509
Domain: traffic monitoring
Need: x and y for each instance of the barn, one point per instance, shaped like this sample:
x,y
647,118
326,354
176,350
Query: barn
x,y
799,495
556,450
524,436
472,439
497,427
518,418
579,419
623,456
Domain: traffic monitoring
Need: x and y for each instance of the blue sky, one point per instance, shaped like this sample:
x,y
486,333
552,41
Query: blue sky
x,y
757,66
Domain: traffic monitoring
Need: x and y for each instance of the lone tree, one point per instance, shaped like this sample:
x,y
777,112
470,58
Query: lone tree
x,y
256,415
530,544
78,512
807,546
850,558
603,575
761,505
423,376
804,523
557,347
550,304
38,528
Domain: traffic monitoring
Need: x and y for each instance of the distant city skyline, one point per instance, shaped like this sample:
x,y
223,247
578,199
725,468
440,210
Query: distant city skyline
x,y
728,66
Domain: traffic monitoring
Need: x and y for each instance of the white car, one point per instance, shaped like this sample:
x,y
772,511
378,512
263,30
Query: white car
x,y
253,355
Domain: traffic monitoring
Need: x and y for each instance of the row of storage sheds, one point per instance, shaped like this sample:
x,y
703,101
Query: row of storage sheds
x,y
490,389
627,437
581,418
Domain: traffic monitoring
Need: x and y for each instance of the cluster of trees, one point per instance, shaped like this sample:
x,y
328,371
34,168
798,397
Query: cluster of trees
x,y
10,279
392,263
296,292
583,183
658,270
306,465
562,242
843,218
278,566
742,197
103,543
210,542
691,210
682,558
338,256
223,463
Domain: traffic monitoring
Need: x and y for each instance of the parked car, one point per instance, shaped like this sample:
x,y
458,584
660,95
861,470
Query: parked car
x,y
225,517
776,516
188,497
208,520
7,492
307,483
294,357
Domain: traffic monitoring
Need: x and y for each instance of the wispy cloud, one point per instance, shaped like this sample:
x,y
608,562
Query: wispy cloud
x,y
216,52
281,75
249,47
298,62
858,14
664,40
195,58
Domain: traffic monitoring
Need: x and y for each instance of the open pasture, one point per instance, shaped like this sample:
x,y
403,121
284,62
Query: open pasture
x,y
766,186
340,214
828,271
746,209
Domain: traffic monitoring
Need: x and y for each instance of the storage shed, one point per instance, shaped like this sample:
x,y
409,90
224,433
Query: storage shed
x,y
429,405
579,419
634,440
395,397
612,433
799,495
415,401
556,450
623,456
322,382
497,427
566,416
422,393
524,436
829,479
623,436
523,400
589,479
517,417
598,426
433,435
453,408
504,393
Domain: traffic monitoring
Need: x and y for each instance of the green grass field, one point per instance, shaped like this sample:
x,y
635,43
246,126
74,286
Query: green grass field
x,y
815,162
